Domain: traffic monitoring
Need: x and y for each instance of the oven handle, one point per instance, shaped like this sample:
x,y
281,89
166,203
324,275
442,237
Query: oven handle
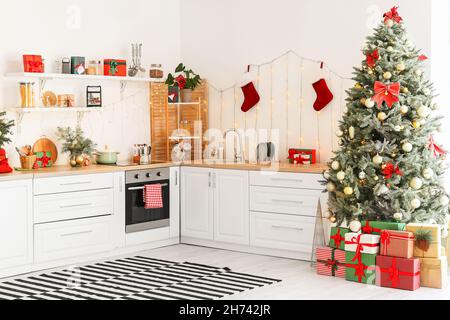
x,y
142,188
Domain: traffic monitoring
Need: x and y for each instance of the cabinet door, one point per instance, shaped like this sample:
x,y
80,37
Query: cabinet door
x,y
196,203
15,224
231,214
175,202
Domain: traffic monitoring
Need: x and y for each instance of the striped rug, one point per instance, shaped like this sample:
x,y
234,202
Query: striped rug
x,y
135,278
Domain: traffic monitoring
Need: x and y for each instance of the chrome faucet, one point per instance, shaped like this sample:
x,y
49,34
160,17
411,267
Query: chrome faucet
x,y
238,157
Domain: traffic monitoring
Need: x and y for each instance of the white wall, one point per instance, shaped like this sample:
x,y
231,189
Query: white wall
x,y
105,29
219,38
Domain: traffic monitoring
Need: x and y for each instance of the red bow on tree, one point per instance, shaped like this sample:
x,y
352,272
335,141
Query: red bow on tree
x,y
386,93
423,57
434,148
389,171
372,58
392,15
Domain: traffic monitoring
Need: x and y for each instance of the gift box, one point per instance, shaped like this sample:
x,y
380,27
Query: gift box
x,y
434,272
360,268
302,156
375,227
330,262
44,159
33,63
398,244
78,65
337,237
174,94
422,248
398,273
362,243
113,67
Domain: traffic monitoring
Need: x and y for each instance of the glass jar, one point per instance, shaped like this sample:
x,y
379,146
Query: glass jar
x,y
66,65
156,71
92,68
27,94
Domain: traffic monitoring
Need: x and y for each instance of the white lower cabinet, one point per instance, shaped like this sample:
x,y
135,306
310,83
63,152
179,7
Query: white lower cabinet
x,y
16,224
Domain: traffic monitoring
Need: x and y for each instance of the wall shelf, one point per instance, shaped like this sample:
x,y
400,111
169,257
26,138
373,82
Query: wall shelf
x,y
50,76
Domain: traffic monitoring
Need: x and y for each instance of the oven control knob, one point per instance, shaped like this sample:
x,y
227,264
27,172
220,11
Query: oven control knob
x,y
159,174
137,176
148,175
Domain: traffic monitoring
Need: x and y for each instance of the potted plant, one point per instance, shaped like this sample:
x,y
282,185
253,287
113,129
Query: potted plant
x,y
5,130
186,80
74,143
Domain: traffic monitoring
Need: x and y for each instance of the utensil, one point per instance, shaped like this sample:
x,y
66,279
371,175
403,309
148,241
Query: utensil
x,y
140,59
43,145
133,69
144,153
106,157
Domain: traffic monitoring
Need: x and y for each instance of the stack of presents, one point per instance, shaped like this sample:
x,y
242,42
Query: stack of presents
x,y
387,254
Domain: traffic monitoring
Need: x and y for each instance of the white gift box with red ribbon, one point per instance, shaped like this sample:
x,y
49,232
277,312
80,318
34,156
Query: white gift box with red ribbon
x,y
362,243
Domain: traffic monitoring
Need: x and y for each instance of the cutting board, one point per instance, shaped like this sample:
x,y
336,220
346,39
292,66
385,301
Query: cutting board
x,y
45,144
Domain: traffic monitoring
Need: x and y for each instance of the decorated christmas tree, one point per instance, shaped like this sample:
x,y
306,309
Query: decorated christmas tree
x,y
388,167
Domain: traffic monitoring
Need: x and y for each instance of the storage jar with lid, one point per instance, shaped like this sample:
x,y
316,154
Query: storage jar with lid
x,y
156,71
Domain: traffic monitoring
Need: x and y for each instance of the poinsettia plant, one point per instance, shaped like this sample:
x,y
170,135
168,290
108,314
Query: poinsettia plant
x,y
5,129
184,78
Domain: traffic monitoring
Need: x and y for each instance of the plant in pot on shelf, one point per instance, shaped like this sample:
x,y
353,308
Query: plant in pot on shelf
x,y
186,80
5,130
74,143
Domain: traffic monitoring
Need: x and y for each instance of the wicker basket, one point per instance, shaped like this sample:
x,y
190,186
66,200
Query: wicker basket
x,y
27,163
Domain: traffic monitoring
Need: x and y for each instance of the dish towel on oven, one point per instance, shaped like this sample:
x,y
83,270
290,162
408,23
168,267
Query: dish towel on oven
x,y
153,196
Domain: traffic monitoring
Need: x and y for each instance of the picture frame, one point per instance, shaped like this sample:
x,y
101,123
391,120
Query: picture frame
x,y
94,96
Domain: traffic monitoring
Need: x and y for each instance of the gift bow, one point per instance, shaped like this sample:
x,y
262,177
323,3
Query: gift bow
x,y
372,58
45,160
392,15
360,269
434,148
369,229
395,273
298,158
386,93
337,238
360,246
390,170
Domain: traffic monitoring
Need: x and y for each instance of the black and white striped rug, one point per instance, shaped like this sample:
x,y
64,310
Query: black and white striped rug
x,y
136,278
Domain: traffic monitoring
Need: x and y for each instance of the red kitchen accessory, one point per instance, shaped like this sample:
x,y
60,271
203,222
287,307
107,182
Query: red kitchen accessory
x,y
153,196
33,63
113,67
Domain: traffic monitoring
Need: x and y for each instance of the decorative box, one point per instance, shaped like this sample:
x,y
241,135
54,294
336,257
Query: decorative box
x,y
375,227
302,156
33,63
398,244
113,67
44,159
66,100
174,94
398,273
360,269
78,65
422,249
362,243
337,237
330,262
434,272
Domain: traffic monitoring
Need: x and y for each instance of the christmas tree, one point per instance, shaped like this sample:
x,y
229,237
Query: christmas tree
x,y
5,129
388,167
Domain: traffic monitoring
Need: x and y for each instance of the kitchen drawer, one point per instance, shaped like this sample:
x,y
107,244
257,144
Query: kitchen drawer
x,y
301,202
73,183
283,232
286,180
61,240
73,205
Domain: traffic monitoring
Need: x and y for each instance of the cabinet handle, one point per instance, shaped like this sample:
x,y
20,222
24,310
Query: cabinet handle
x,y
120,184
287,179
287,201
176,178
209,179
75,205
286,227
75,183
214,181
76,233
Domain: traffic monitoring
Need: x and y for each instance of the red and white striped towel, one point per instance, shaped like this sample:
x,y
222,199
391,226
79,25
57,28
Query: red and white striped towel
x,y
153,196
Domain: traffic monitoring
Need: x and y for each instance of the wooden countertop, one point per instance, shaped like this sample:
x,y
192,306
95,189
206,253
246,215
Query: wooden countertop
x,y
56,171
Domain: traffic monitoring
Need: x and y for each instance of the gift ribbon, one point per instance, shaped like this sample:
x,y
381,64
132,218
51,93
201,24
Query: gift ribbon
x,y
113,67
369,229
45,160
337,238
395,273
332,263
360,269
386,93
386,237
360,246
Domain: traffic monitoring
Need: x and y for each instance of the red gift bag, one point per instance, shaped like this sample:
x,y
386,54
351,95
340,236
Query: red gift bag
x,y
33,63
4,166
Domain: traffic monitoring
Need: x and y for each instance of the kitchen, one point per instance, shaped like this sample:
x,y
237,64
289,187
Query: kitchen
x,y
120,159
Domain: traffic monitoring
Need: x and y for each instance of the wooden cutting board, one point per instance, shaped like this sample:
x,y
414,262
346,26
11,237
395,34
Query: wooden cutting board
x,y
45,144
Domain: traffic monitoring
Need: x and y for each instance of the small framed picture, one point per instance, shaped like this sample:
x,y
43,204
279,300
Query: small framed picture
x,y
94,96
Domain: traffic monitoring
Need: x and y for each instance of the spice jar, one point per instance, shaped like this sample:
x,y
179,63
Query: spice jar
x,y
27,94
92,68
156,71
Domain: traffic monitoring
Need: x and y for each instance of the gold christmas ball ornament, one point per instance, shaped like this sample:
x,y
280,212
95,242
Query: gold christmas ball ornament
x,y
428,173
387,75
416,183
370,72
404,109
358,86
375,178
363,101
416,124
407,147
331,187
73,163
401,67
341,175
382,116
355,226
405,90
398,216
377,159
415,203
339,133
79,160
369,103
333,219
335,165
348,191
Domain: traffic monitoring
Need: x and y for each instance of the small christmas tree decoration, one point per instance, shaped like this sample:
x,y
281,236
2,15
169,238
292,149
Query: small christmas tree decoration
x,y
398,216
390,49
377,159
369,103
362,175
382,116
335,165
407,147
405,90
341,175
390,170
404,109
348,191
398,128
351,132
401,67
358,86
423,111
428,173
372,58
331,187
339,133
416,183
416,124
355,226
415,203
387,75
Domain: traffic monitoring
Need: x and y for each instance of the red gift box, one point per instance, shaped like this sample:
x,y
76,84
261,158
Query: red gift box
x,y
398,244
302,156
113,67
33,63
398,273
330,262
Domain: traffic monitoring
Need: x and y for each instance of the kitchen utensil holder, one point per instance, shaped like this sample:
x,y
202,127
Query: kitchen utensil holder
x,y
27,162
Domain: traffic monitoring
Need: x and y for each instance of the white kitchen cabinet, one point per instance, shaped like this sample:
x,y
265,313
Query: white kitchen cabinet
x,y
16,223
231,216
197,203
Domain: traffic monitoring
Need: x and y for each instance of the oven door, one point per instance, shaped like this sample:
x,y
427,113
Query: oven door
x,y
137,218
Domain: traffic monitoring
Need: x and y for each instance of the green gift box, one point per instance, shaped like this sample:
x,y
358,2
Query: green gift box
x,y
376,227
337,237
44,159
360,267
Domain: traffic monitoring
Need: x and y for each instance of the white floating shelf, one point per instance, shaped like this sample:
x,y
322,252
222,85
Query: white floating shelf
x,y
176,138
50,76
52,109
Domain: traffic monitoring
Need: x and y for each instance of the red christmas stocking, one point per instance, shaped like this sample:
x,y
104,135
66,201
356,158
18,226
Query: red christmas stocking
x,y
324,95
251,96
4,166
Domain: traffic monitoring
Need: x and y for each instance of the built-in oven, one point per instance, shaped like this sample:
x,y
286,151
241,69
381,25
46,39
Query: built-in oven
x,y
137,217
